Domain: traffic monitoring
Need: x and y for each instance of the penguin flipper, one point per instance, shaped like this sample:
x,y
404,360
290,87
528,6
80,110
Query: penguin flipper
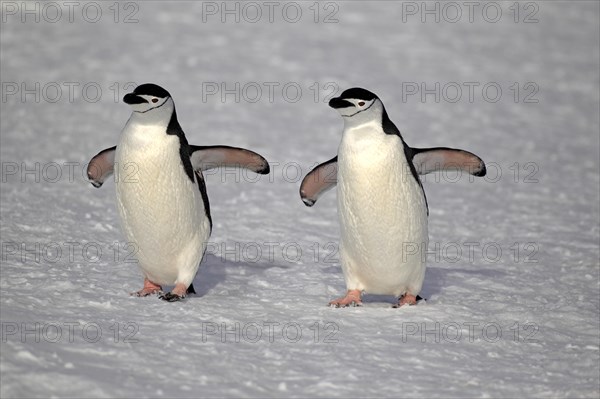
x,y
322,178
101,166
210,157
427,160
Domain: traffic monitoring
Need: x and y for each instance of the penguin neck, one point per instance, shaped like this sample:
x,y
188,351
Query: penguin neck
x,y
369,118
150,129
388,126
360,123
173,128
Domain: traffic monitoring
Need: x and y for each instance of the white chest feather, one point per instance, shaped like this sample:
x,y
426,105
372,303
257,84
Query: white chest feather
x,y
382,213
161,209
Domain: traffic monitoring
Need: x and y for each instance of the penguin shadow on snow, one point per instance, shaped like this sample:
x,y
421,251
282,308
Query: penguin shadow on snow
x,y
211,274
438,279
214,271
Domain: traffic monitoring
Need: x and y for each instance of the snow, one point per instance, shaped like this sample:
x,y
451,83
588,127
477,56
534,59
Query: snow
x,y
520,322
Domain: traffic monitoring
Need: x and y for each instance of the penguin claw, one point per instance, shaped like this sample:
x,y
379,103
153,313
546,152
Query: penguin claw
x,y
144,292
170,297
353,304
407,299
149,289
179,292
352,298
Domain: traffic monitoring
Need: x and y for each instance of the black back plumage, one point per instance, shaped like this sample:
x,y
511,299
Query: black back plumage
x,y
175,129
390,128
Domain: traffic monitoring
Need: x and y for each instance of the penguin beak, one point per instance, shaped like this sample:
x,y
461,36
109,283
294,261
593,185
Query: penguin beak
x,y
339,103
131,99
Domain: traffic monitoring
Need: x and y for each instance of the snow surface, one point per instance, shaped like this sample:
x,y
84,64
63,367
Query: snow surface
x,y
263,267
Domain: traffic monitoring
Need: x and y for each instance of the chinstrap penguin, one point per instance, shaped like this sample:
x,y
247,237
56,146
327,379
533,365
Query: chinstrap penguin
x,y
382,208
161,194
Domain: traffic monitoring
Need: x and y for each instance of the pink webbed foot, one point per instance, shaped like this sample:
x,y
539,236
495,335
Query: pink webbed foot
x,y
149,289
407,299
178,293
352,298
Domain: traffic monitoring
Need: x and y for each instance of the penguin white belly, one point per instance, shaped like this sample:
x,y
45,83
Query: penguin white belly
x,y
161,209
382,213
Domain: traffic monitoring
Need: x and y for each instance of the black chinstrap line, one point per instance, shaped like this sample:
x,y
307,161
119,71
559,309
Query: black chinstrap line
x,y
349,116
143,112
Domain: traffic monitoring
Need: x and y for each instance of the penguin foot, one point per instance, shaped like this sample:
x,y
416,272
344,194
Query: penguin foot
x,y
178,293
149,289
407,299
170,297
352,298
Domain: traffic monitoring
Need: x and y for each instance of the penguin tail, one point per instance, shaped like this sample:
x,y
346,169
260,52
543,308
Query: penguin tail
x,y
190,289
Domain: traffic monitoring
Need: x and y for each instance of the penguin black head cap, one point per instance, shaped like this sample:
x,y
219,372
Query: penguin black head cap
x,y
359,94
150,89
355,93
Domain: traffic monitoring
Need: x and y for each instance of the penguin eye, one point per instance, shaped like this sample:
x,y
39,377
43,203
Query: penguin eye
x,y
361,103
155,100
